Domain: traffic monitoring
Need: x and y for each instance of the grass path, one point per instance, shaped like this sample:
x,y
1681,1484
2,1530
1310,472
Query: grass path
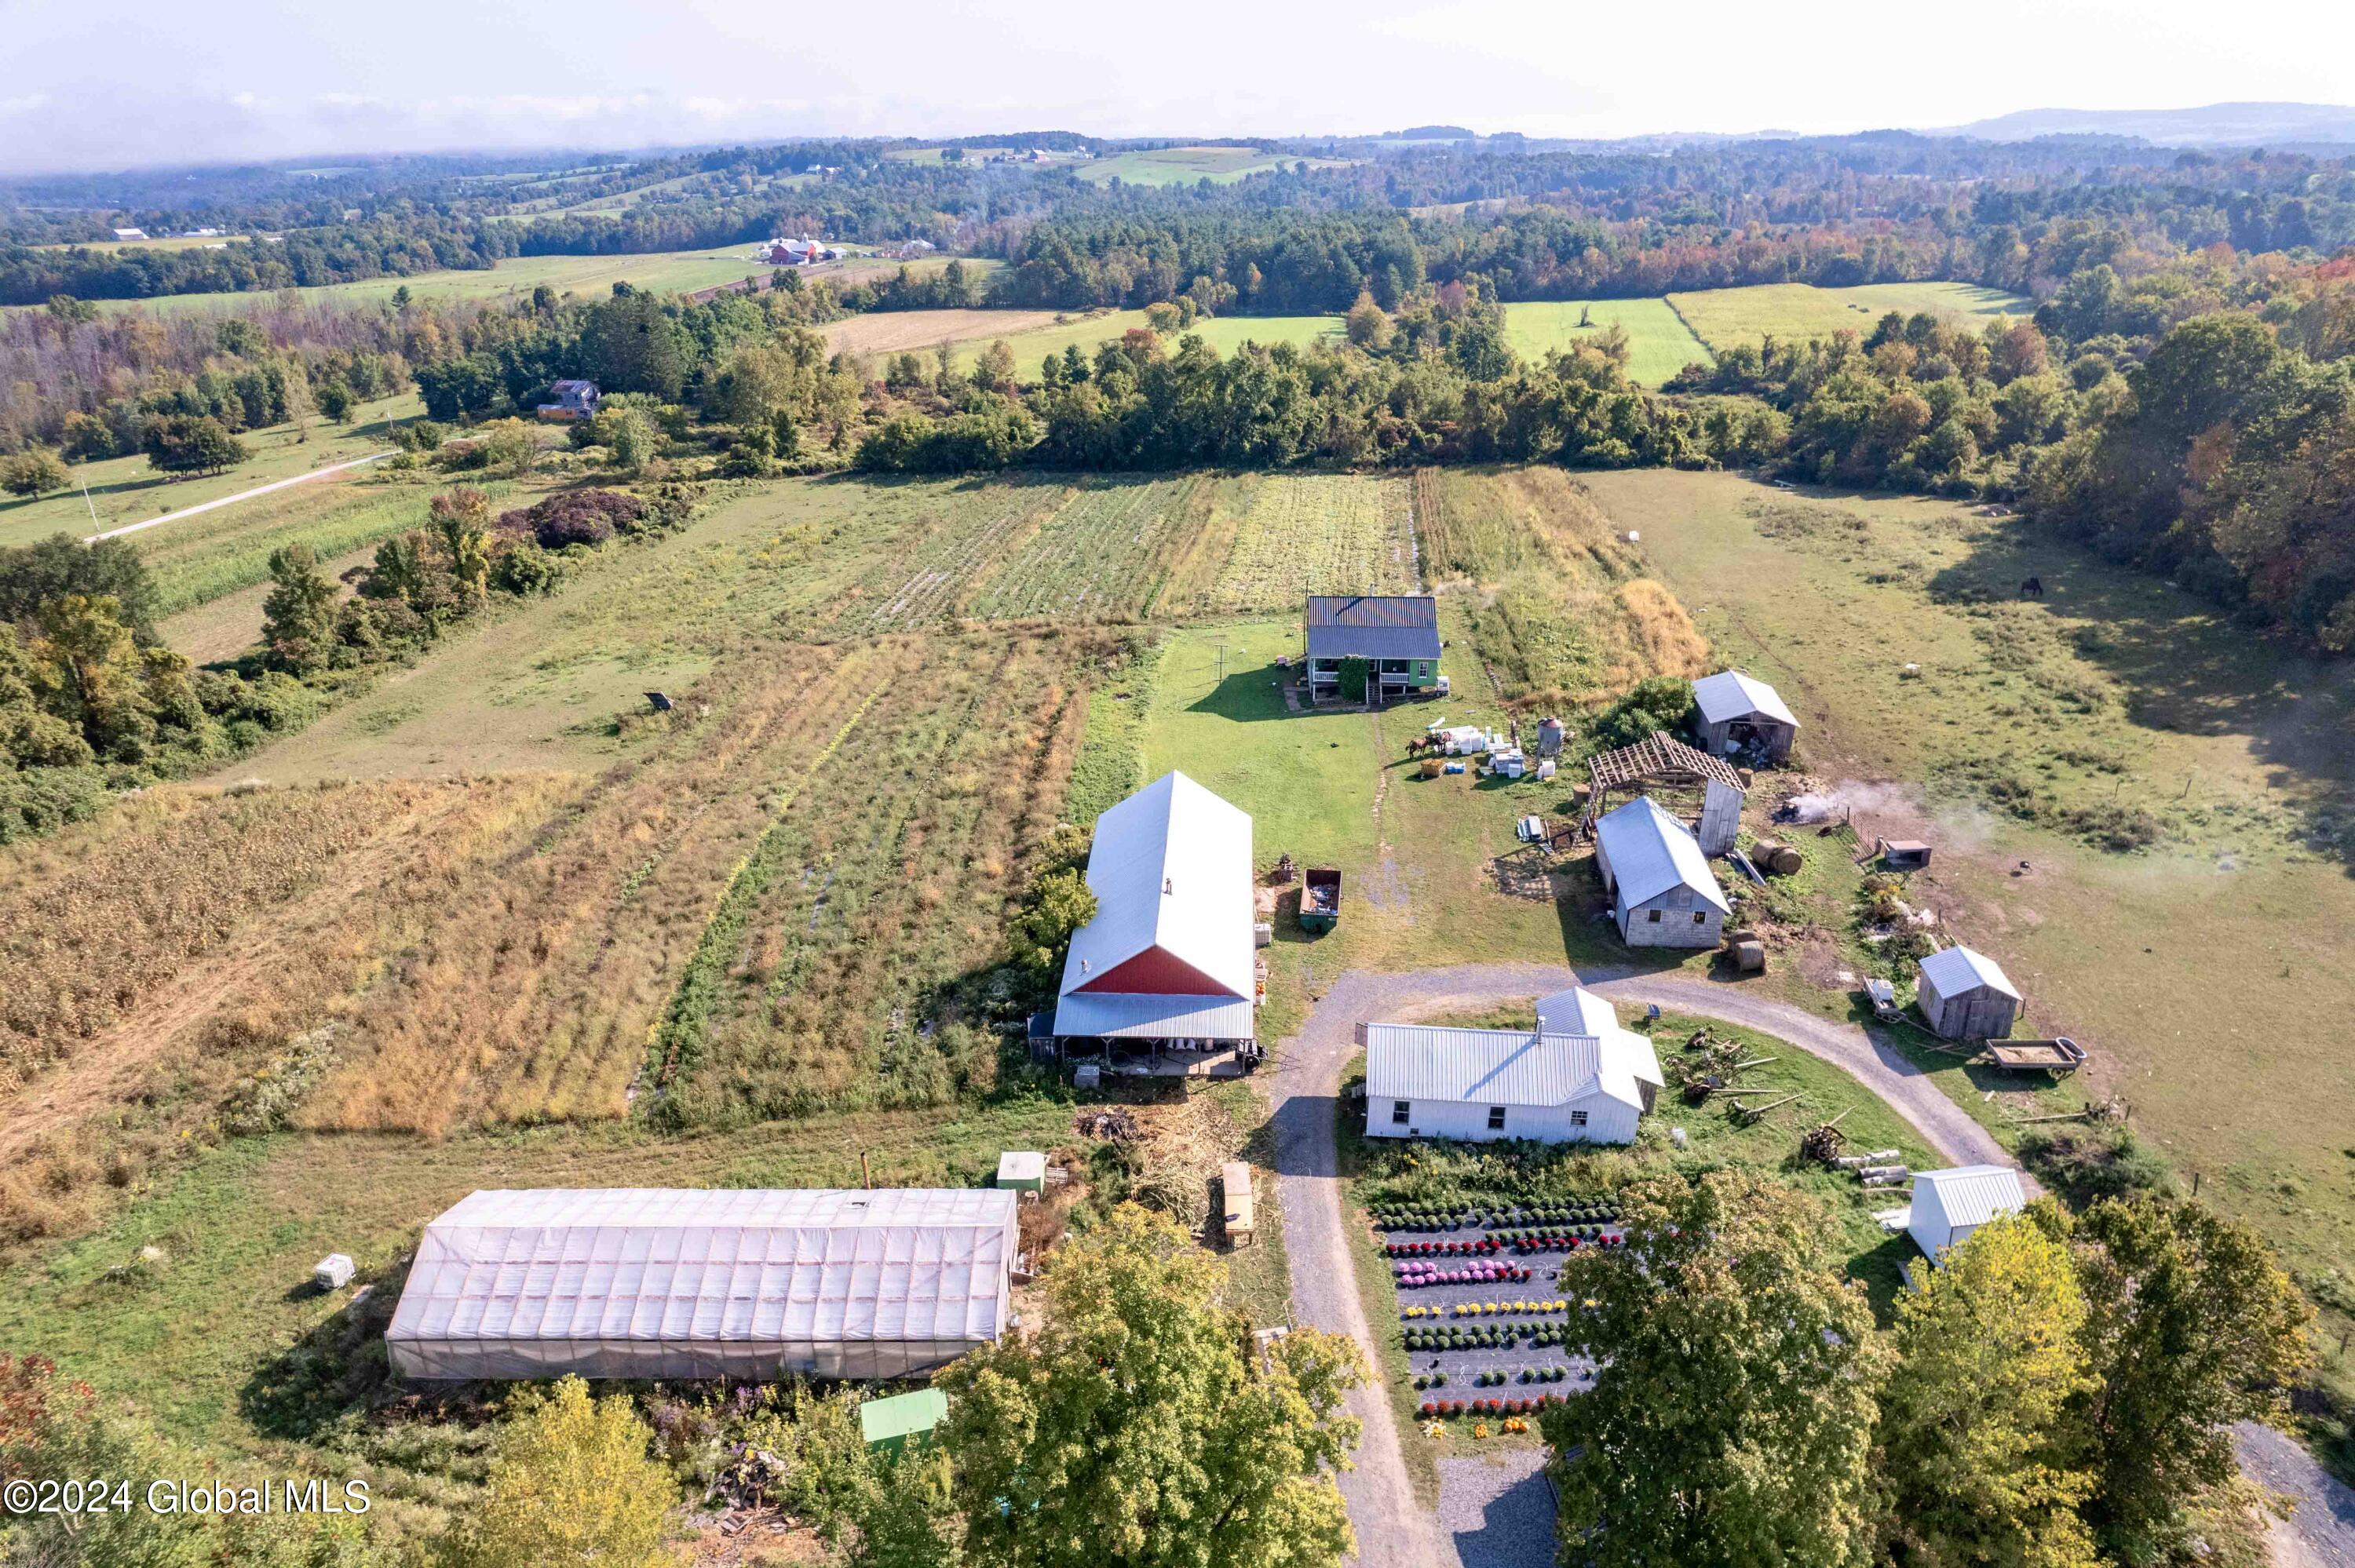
x,y
240,495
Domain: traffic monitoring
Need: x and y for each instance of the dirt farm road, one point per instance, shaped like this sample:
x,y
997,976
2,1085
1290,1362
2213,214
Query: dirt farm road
x,y
240,495
1393,1528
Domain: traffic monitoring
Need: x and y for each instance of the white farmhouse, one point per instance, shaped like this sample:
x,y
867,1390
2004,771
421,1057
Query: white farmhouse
x,y
1577,1078
1662,894
1948,1205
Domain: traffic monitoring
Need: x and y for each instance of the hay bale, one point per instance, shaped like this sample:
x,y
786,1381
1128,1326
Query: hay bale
x,y
1750,957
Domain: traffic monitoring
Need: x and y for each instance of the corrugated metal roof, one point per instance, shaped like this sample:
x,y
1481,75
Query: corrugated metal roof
x,y
1504,1067
1650,853
1171,867
575,1268
1577,1010
1972,1194
1115,1015
1731,694
1955,971
1373,626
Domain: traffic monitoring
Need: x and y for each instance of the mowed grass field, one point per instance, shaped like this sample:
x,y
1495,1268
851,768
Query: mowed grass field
x,y
1225,334
1724,317
1183,166
2206,972
1661,342
125,490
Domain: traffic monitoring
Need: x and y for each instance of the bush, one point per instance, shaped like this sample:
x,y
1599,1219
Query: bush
x,y
1658,703
521,567
2086,1164
577,517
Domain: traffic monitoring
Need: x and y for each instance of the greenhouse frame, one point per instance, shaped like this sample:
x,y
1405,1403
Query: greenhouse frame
x,y
648,1283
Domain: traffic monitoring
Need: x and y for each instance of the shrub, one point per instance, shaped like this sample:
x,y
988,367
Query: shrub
x,y
577,517
2086,1164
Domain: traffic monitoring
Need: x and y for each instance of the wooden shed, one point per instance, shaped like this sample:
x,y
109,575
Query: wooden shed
x,y
1736,711
1662,893
1966,995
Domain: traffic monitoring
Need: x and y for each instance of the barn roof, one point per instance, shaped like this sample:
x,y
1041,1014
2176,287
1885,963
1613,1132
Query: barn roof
x,y
1972,1194
1373,626
1731,694
1506,1067
1954,970
1577,1010
1171,868
1650,853
1118,1015
696,1270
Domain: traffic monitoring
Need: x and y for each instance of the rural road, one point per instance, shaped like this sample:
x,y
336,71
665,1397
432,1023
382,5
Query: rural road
x,y
240,495
1391,1526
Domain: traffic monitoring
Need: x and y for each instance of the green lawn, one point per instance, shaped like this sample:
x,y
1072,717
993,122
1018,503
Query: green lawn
x,y
1724,317
125,490
1663,345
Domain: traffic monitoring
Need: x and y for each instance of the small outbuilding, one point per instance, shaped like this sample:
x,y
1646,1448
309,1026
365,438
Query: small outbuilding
x,y
1965,995
1022,1171
1736,711
1578,1077
1241,1217
1662,892
902,1421
1948,1205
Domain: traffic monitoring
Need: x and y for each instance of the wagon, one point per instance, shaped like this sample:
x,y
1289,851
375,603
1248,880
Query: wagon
x,y
1320,899
1883,997
2055,1056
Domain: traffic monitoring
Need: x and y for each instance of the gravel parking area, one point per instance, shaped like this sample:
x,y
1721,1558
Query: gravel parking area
x,y
1497,1509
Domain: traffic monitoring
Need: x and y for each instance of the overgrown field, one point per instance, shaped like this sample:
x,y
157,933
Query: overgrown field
x,y
1661,343
894,332
2024,739
1183,166
1724,317
1555,602
1225,334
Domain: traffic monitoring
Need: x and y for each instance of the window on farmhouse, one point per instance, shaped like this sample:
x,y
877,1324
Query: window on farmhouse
x,y
1399,1109
1495,1119
1653,915
1577,1118
1700,917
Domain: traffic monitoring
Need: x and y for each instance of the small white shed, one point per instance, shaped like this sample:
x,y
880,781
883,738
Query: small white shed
x,y
1965,995
1948,1205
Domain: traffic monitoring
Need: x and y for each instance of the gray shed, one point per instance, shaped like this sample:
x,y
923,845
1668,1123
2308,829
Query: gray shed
x,y
1734,710
1966,995
1662,895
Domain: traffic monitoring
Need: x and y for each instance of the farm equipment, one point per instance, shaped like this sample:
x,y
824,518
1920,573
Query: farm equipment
x,y
1320,899
2059,1056
1883,997
1823,1142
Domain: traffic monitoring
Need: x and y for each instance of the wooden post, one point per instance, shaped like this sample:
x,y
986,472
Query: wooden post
x,y
2195,1183
865,1177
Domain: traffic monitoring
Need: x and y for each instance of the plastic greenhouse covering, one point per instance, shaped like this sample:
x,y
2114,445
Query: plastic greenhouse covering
x,y
644,1283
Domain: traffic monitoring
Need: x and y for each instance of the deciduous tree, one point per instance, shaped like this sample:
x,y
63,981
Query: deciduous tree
x,y
572,1484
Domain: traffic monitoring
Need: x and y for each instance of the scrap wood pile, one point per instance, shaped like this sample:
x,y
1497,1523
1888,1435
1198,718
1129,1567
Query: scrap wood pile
x,y
1826,1144
1113,1126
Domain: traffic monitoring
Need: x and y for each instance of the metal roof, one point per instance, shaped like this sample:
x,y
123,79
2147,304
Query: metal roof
x,y
1171,868
1118,1015
1373,626
1021,1165
1577,1010
523,1283
1955,971
1651,851
1506,1066
1731,694
1972,1194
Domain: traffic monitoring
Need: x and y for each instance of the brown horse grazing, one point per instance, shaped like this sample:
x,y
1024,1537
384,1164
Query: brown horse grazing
x,y
2032,588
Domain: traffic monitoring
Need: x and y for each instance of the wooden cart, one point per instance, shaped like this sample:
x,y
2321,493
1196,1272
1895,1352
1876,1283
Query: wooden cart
x,y
2060,1056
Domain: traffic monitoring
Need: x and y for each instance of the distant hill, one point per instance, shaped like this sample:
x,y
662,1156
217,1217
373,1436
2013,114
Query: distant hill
x,y
2216,125
1432,133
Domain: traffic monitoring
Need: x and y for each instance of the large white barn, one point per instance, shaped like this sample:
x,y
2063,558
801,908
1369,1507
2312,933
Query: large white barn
x,y
648,1283
1662,892
1578,1078
1169,956
1948,1205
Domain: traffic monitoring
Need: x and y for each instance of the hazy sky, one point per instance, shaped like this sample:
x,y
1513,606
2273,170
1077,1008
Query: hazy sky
x,y
86,85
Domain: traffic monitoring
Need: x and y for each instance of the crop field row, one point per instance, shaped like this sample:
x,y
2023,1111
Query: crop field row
x,y
879,884
1297,535
975,525
1099,556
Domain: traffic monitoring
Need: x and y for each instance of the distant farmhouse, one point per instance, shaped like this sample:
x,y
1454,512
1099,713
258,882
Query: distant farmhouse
x,y
130,234
1168,959
912,250
804,252
1397,636
1739,711
1662,893
1578,1078
571,400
